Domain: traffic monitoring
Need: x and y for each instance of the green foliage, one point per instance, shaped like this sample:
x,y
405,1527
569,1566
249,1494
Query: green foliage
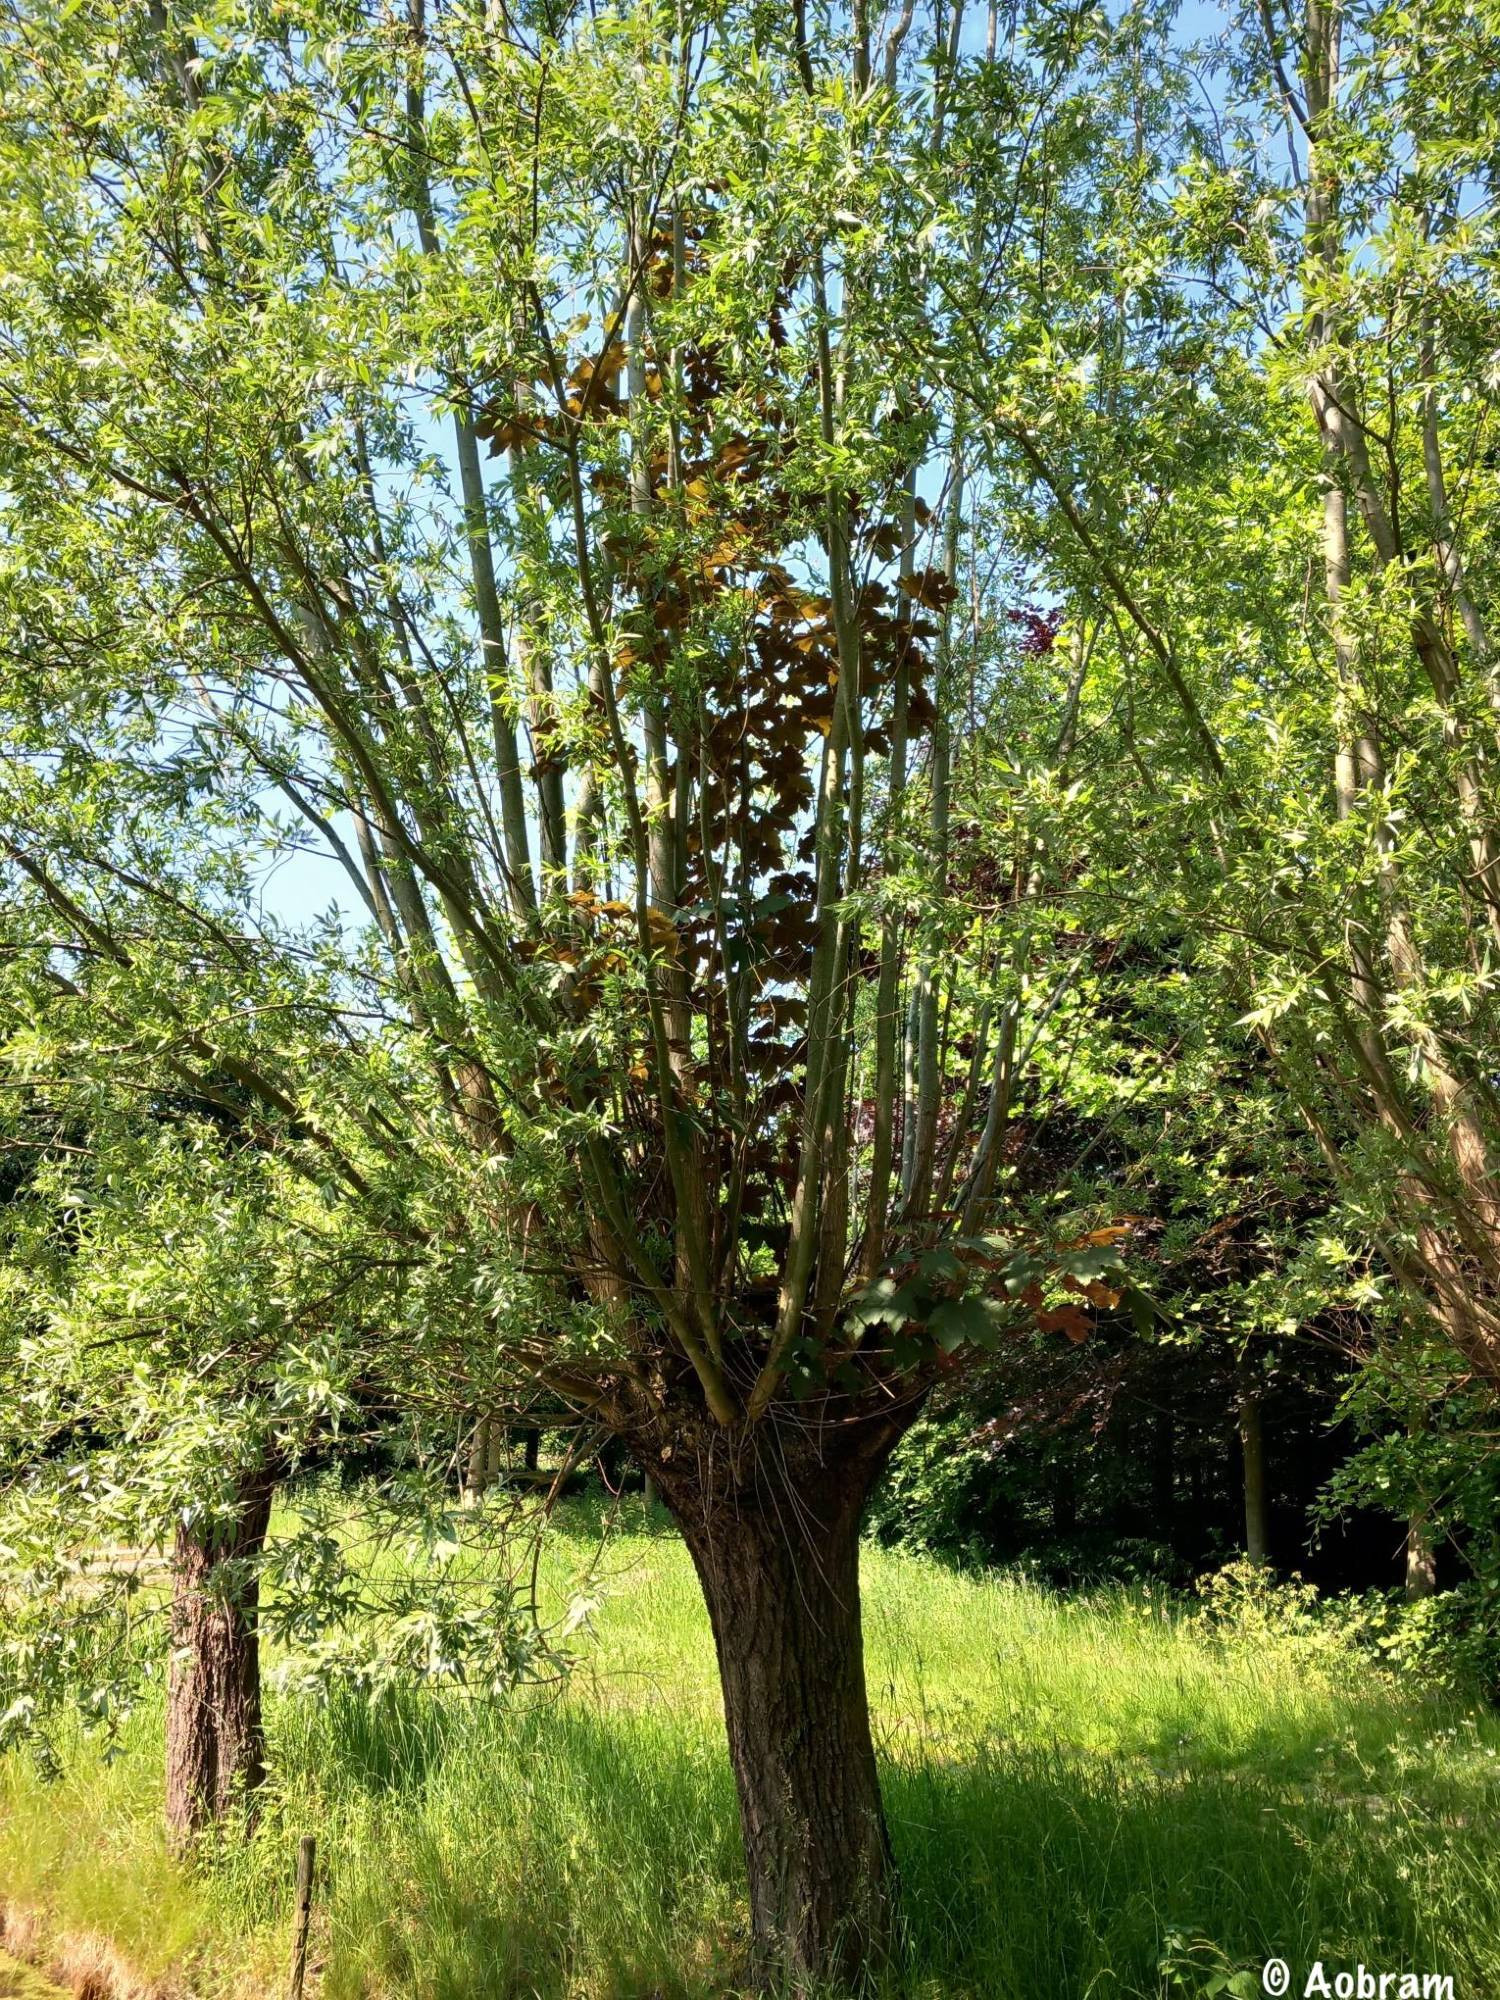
x,y
1448,1641
936,1492
181,1311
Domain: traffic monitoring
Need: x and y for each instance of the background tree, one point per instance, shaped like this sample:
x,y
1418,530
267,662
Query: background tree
x,y
1226,420
189,1331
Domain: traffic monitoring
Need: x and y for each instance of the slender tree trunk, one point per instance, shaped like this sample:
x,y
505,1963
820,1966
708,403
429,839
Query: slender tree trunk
x,y
1163,1474
1421,1558
1421,1554
1253,1455
1064,1501
215,1740
776,1548
482,1468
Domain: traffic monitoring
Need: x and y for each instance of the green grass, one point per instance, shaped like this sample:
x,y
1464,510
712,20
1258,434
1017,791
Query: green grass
x,y
1076,1788
21,1982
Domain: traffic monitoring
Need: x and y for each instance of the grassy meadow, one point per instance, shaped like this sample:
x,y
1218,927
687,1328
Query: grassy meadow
x,y
1089,1796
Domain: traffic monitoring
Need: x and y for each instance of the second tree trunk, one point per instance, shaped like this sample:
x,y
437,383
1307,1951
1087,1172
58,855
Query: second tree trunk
x,y
215,1740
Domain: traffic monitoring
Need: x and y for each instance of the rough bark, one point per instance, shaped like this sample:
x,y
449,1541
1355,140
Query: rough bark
x,y
774,1537
215,1739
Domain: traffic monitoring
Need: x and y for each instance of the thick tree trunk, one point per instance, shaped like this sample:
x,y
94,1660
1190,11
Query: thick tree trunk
x,y
1253,1455
776,1547
215,1742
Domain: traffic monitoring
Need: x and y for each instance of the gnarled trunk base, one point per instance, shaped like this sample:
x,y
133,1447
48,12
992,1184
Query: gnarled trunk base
x,y
215,1740
774,1536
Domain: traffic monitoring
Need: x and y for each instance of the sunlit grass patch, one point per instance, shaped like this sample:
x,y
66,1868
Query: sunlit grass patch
x,y
1078,1788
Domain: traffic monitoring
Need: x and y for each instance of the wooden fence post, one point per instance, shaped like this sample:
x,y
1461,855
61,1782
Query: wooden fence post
x,y
306,1849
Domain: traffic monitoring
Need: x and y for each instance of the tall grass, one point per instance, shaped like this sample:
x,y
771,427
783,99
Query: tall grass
x,y
1090,1796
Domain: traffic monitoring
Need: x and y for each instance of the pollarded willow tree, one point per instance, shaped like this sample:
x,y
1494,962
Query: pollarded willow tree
x,y
499,445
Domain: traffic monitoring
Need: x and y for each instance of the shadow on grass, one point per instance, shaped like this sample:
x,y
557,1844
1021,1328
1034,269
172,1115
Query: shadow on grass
x,y
558,1854
1029,1873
